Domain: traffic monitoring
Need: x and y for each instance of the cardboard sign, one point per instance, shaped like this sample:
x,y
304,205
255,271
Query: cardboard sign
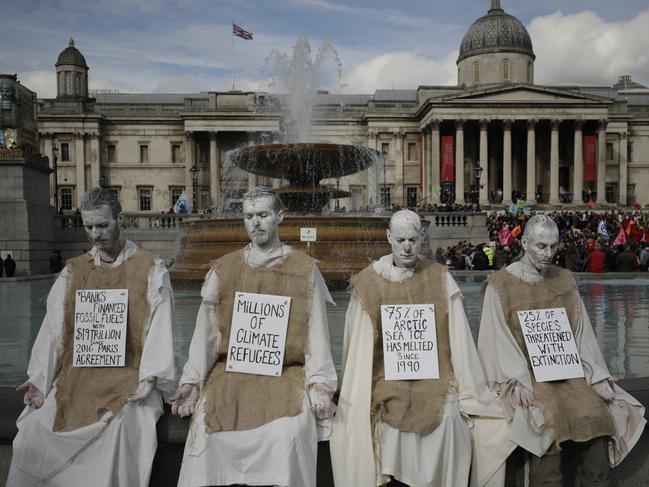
x,y
100,321
550,344
258,334
409,341
308,234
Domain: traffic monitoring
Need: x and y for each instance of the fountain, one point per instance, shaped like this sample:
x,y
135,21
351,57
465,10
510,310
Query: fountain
x,y
304,165
344,244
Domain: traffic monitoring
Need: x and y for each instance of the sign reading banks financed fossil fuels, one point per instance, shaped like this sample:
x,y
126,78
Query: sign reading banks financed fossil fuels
x,y
100,321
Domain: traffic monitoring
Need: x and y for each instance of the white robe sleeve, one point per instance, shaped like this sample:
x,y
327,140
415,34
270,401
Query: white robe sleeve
x,y
158,351
48,347
203,348
501,356
352,450
474,396
627,412
478,405
319,366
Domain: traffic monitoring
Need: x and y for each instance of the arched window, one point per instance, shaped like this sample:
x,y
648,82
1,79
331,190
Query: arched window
x,y
507,73
476,72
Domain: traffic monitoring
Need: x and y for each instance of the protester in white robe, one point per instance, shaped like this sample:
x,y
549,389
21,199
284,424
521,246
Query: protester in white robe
x,y
507,367
440,458
118,450
283,451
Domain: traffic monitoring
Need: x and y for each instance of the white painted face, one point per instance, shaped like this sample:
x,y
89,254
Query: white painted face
x,y
102,229
261,221
405,241
540,245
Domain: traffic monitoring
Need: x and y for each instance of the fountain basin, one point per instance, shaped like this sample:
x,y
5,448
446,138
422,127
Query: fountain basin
x,y
304,164
344,246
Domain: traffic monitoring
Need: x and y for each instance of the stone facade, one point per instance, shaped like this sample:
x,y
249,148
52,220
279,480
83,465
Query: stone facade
x,y
557,145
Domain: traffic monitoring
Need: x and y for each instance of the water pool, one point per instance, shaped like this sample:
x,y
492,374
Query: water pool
x,y
618,308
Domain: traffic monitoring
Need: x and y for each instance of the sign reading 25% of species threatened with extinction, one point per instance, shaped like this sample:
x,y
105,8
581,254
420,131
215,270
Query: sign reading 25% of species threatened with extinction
x,y
100,321
409,341
258,334
550,344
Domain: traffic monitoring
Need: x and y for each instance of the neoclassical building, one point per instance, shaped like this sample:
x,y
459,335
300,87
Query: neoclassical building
x,y
555,144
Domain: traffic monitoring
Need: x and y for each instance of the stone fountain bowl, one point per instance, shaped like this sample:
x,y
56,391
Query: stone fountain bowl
x,y
303,164
344,245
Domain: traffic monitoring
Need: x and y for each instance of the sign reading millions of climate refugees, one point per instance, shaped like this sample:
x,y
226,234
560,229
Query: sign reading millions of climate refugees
x,y
258,334
550,344
100,321
409,341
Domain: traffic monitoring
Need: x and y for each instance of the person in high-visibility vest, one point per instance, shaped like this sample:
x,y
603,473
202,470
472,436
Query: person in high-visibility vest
x,y
490,255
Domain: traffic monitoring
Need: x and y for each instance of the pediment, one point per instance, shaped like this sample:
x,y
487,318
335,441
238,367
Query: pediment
x,y
523,94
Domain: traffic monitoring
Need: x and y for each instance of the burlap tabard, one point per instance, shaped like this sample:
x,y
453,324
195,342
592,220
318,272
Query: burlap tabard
x,y
571,407
236,401
408,405
84,394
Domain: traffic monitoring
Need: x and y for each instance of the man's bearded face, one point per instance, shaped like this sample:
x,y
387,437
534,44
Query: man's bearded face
x,y
261,220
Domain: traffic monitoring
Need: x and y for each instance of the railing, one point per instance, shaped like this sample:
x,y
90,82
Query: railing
x,y
130,221
450,220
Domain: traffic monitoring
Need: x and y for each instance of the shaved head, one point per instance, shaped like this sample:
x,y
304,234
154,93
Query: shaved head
x,y
407,217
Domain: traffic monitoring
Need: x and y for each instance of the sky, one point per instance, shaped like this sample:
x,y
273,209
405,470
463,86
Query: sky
x,y
186,46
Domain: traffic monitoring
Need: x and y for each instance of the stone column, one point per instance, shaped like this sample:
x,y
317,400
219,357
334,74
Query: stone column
x,y
507,161
80,178
372,173
435,180
459,161
95,160
530,187
554,163
578,165
398,196
484,163
624,170
426,165
189,162
215,171
601,161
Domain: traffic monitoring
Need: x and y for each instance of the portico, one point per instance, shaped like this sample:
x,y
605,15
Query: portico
x,y
550,153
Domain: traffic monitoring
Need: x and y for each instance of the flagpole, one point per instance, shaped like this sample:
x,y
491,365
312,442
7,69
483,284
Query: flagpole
x,y
232,56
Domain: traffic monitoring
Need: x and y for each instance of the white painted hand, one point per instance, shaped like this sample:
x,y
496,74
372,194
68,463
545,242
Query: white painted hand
x,y
183,402
604,390
523,395
321,403
33,397
144,387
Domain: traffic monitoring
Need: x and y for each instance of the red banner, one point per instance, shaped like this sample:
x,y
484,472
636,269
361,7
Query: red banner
x,y
448,158
590,158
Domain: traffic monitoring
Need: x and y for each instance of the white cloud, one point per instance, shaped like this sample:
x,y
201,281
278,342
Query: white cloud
x,y
583,48
401,70
40,81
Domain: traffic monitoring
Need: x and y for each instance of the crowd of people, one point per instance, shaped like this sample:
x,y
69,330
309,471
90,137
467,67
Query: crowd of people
x,y
614,241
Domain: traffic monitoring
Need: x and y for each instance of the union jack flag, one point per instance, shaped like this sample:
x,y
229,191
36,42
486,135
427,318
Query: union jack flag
x,y
240,32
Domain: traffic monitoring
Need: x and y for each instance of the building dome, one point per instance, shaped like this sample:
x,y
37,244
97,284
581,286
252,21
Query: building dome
x,y
71,56
496,32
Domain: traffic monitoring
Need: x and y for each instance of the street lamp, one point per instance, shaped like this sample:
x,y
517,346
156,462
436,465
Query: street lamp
x,y
383,193
478,172
194,172
55,153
